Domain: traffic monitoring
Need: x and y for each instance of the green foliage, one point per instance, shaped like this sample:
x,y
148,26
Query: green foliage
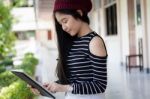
x,y
6,78
19,3
29,63
2,68
7,38
5,18
7,61
17,90
12,87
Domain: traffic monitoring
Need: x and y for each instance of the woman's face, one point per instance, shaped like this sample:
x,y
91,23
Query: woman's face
x,y
69,23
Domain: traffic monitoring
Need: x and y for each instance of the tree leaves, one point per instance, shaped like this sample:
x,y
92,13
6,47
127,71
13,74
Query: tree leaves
x,y
7,37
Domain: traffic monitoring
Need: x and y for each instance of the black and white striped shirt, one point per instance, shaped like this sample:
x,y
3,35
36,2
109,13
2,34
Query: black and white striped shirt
x,y
88,72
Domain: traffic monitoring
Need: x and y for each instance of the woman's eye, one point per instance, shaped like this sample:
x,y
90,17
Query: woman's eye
x,y
65,21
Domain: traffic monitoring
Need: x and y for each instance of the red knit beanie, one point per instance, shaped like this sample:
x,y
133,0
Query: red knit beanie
x,y
84,5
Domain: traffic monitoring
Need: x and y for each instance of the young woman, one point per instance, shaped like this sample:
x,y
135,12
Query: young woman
x,y
82,62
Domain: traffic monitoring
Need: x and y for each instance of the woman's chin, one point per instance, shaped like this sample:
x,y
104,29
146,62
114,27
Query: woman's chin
x,y
72,34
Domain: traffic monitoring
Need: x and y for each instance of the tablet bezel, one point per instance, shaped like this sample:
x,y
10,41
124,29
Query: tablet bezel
x,y
33,83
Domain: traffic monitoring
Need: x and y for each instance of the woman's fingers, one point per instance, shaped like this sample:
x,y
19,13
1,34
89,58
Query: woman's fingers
x,y
54,87
33,90
50,87
45,85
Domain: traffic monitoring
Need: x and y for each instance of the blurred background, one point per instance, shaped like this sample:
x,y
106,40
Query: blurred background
x,y
28,42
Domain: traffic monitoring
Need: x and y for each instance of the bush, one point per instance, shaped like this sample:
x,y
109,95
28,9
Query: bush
x,y
29,63
7,38
6,78
13,87
2,68
16,90
7,61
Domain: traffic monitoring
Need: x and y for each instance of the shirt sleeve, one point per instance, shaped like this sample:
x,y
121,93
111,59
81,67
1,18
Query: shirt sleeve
x,y
99,82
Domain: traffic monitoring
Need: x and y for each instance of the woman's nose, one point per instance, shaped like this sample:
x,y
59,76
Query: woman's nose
x,y
64,27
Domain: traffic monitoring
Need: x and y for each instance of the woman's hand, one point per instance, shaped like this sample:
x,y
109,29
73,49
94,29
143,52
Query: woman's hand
x,y
55,87
34,90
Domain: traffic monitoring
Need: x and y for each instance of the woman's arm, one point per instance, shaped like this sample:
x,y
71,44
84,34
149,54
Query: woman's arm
x,y
55,87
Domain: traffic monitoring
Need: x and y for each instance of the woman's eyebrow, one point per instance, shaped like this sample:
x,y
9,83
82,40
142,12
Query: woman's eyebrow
x,y
62,19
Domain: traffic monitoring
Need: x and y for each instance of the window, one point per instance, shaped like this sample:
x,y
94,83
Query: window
x,y
111,17
111,20
138,11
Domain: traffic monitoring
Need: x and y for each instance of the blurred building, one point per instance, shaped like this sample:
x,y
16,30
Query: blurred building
x,y
45,27
25,22
34,20
122,24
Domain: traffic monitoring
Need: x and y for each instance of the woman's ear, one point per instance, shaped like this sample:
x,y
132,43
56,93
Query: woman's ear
x,y
80,12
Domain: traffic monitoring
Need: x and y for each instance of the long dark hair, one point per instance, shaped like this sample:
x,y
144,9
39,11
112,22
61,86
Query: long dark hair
x,y
64,41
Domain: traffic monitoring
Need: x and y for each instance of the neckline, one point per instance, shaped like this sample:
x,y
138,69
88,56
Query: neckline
x,y
85,35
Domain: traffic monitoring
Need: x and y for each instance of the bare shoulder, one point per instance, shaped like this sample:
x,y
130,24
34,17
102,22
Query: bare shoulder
x,y
97,46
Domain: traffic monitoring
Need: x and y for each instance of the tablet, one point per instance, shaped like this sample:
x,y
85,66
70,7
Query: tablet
x,y
35,84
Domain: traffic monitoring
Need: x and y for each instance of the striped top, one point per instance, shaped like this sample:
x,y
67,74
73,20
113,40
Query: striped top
x,y
87,72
